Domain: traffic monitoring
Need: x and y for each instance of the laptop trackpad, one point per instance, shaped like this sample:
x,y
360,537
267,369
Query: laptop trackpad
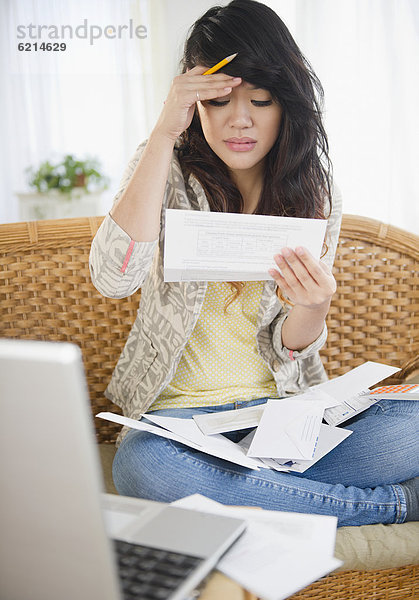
x,y
171,528
123,515
119,523
187,531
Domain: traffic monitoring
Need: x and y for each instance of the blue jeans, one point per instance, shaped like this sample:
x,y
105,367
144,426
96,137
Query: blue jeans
x,y
357,482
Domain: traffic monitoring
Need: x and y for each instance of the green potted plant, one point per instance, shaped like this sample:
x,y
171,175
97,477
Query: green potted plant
x,y
70,187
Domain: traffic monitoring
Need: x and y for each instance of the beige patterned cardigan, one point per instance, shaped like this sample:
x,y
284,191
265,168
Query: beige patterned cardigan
x,y
168,312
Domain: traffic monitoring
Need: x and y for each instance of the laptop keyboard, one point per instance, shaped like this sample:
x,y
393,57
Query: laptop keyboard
x,y
149,573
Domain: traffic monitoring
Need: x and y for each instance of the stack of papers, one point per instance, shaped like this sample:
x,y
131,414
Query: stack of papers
x,y
288,433
279,552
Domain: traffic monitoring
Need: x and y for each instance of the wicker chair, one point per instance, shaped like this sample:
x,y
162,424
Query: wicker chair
x,y
46,293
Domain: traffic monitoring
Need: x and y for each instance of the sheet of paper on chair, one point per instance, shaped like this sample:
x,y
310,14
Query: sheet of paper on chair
x,y
214,246
223,448
292,574
329,438
288,428
291,529
229,420
279,552
351,388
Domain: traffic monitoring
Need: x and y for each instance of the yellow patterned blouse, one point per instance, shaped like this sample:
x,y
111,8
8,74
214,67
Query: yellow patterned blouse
x,y
220,362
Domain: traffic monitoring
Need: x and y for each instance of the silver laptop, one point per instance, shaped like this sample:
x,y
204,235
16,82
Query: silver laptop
x,y
61,536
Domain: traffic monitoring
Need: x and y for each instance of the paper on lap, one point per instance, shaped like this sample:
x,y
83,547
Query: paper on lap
x,y
288,435
182,432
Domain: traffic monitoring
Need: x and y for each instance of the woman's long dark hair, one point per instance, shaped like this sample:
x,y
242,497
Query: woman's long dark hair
x,y
297,180
298,169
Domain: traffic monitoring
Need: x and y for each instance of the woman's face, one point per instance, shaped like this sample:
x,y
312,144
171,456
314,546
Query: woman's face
x,y
241,127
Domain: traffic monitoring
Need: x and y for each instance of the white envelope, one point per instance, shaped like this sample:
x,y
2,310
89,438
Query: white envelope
x,y
229,420
289,428
329,438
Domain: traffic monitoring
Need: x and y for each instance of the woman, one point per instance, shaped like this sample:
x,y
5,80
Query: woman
x,y
249,139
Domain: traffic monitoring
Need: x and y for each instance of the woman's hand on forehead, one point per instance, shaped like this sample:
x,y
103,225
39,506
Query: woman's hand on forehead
x,y
208,86
185,91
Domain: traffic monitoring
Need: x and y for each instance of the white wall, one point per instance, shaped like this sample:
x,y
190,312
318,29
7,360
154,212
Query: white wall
x,y
363,51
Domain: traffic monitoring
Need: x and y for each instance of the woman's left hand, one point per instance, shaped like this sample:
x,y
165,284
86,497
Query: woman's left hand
x,y
304,280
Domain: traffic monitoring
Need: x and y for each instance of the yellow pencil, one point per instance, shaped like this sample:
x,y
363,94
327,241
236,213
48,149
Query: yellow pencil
x,y
220,65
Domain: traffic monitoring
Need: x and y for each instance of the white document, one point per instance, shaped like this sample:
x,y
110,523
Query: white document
x,y
186,428
356,380
288,428
279,553
244,418
213,246
351,407
229,420
220,447
350,390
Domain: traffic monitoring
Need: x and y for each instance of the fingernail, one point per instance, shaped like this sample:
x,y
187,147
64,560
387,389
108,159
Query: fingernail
x,y
286,252
300,251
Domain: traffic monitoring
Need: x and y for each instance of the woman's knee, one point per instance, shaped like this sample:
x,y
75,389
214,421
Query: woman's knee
x,y
127,468
144,466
